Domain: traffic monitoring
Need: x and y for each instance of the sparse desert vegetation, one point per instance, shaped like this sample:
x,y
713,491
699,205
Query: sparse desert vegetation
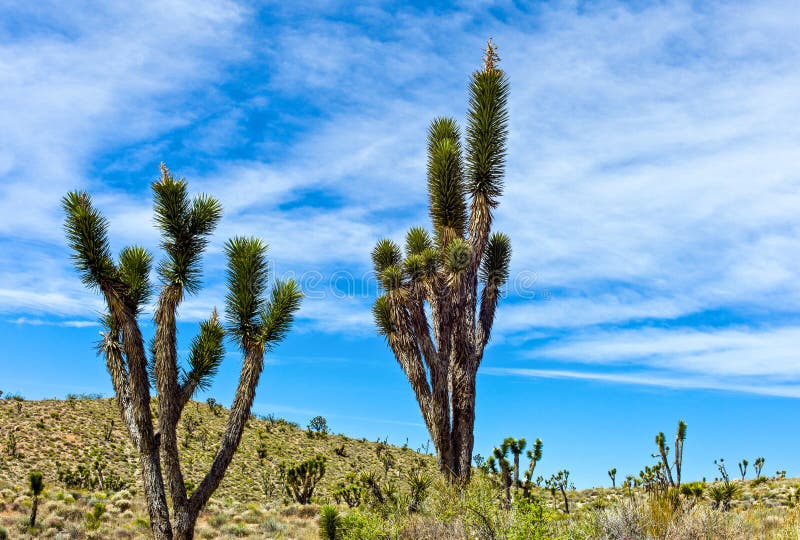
x,y
374,490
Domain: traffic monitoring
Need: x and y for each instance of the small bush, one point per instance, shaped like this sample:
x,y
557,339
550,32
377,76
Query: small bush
x,y
95,517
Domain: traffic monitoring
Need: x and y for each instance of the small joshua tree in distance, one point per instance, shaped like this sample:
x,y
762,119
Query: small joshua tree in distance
x,y
743,468
36,485
758,465
516,447
680,438
318,425
560,482
613,475
535,456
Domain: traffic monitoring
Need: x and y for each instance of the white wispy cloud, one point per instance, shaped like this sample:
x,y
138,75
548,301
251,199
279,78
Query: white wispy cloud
x,y
662,380
757,354
651,172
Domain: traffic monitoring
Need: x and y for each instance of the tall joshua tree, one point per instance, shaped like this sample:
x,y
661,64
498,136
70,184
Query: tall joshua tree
x,y
256,322
457,271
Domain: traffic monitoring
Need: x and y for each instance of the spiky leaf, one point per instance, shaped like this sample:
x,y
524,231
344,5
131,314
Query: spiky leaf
x,y
487,133
457,256
35,483
87,236
206,354
277,317
247,280
185,226
385,253
448,208
417,241
496,260
382,314
134,272
391,278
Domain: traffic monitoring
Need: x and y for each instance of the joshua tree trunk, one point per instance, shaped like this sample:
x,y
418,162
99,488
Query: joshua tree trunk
x,y
566,499
457,272
257,323
34,511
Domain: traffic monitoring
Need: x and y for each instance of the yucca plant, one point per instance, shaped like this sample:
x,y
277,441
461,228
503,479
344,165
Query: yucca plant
x,y
440,294
329,523
36,485
256,322
419,483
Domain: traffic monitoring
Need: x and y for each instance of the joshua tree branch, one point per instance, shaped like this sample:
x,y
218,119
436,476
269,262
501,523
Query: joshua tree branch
x,y
489,297
169,393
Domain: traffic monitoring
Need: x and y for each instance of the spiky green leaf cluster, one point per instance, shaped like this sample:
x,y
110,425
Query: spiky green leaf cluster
x,y
247,280
681,435
535,453
278,315
382,315
35,483
448,207
391,278
134,271
487,132
418,241
385,254
496,260
185,225
87,235
457,256
253,317
206,353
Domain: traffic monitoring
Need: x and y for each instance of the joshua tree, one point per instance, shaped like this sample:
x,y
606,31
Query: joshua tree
x,y
663,453
723,471
560,482
500,457
457,271
613,475
37,486
758,465
256,322
212,404
743,468
516,446
680,438
301,479
535,456
318,425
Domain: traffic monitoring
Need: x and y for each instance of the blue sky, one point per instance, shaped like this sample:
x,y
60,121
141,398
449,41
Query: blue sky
x,y
651,197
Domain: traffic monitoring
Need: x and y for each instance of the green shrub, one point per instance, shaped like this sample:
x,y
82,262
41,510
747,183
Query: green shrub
x,y
358,526
95,517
